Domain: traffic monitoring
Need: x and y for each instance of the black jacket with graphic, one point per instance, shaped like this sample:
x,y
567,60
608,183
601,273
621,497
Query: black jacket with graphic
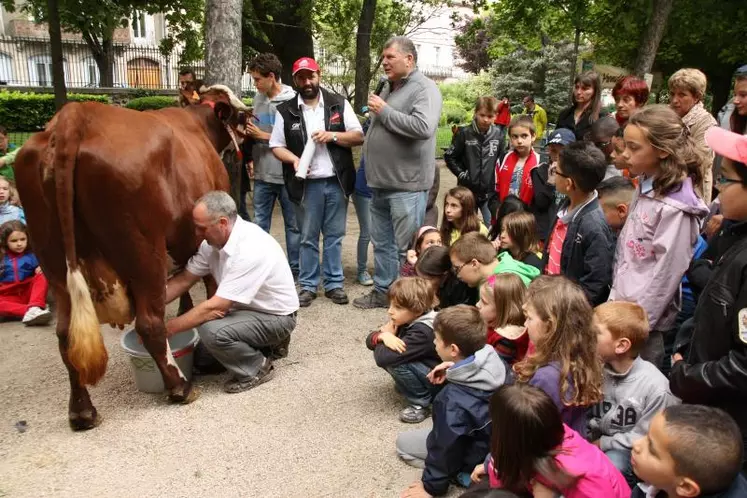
x,y
472,157
714,371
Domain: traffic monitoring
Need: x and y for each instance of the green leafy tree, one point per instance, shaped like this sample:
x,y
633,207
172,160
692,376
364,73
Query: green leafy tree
x,y
283,28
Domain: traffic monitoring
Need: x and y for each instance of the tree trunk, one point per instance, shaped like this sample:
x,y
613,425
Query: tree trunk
x,y
222,43
103,55
574,62
720,89
652,36
58,67
363,54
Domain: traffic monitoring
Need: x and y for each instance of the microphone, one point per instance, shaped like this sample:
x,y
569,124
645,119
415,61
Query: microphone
x,y
380,87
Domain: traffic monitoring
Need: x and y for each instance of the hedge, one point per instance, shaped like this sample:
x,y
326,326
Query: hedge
x,y
151,103
21,111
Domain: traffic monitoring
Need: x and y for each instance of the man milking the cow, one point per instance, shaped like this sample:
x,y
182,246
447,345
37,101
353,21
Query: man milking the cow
x,y
249,320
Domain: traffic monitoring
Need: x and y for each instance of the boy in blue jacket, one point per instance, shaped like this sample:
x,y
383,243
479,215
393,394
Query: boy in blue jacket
x,y
460,438
404,345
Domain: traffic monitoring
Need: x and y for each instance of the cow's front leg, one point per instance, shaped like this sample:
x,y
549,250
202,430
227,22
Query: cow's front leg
x,y
82,414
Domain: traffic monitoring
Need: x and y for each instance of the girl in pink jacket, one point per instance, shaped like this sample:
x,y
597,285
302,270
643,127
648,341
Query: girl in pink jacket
x,y
532,450
656,243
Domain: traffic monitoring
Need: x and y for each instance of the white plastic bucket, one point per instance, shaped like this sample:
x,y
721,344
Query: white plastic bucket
x,y
147,376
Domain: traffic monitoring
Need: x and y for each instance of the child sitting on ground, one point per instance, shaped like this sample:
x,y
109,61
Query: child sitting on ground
x,y
532,450
460,437
690,451
580,245
615,196
23,286
519,237
404,345
460,216
426,237
501,298
546,197
474,259
634,390
564,362
435,266
9,211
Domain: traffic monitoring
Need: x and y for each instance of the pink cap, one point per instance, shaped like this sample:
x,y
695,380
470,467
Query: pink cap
x,y
727,144
425,229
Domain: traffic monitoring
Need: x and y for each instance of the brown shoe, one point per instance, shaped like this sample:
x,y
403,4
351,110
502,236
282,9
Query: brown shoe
x,y
266,372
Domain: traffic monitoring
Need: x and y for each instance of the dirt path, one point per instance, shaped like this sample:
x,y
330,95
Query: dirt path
x,y
325,426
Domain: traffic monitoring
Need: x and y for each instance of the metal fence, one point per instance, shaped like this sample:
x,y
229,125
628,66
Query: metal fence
x,y
27,62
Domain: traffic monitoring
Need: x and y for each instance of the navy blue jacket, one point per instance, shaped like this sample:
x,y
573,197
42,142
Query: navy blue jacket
x,y
460,438
588,251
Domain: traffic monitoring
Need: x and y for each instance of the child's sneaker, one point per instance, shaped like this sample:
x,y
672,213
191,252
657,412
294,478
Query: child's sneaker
x,y
414,414
37,316
364,278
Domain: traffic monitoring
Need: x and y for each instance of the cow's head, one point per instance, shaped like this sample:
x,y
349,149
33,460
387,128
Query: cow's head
x,y
228,109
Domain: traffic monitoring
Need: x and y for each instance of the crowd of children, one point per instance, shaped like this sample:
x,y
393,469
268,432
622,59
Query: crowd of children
x,y
593,341
23,286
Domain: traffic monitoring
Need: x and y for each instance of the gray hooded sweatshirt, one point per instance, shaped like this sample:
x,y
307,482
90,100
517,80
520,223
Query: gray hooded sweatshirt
x,y
486,372
266,167
631,400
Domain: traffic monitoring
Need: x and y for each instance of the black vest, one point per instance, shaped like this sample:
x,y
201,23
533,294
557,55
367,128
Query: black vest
x,y
295,139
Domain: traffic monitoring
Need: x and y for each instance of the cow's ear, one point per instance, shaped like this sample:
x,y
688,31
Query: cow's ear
x,y
223,111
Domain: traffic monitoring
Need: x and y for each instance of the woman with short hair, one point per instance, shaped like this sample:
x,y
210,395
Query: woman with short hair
x,y
687,88
630,94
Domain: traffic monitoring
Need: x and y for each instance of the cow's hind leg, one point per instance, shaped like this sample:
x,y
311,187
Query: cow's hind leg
x,y
82,414
151,328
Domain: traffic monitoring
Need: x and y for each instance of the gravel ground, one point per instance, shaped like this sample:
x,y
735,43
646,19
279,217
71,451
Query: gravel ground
x,y
324,426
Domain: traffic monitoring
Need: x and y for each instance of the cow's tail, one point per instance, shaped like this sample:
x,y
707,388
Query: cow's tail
x,y
86,351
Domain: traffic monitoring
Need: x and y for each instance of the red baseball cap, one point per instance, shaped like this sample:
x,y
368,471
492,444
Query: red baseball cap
x,y
727,144
305,63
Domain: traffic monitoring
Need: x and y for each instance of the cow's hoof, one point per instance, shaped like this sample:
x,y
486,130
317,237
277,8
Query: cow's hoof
x,y
85,420
185,395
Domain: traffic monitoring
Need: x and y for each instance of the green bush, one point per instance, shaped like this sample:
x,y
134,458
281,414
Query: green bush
x,y
453,112
151,103
31,111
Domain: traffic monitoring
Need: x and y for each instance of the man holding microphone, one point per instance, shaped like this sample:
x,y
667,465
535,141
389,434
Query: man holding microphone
x,y
400,152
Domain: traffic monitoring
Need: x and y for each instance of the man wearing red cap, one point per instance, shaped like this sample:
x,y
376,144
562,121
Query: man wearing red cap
x,y
322,196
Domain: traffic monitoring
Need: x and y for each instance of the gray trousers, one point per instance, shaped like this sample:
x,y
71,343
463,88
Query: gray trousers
x,y
237,340
412,448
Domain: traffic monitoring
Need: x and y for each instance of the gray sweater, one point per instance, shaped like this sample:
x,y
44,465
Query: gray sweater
x,y
630,402
400,146
266,167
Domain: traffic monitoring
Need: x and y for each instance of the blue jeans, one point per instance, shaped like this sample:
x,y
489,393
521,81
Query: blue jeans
x,y
363,212
265,195
395,217
621,460
484,209
412,382
323,211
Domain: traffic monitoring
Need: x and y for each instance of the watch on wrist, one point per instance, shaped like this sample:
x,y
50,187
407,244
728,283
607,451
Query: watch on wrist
x,y
334,137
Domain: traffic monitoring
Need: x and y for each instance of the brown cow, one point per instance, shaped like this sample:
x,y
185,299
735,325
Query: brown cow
x,y
108,194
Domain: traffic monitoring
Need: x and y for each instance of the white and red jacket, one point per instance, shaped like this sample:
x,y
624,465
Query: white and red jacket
x,y
505,170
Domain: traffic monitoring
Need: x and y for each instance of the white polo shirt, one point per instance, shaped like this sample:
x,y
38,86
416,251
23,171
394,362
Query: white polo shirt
x,y
321,164
251,270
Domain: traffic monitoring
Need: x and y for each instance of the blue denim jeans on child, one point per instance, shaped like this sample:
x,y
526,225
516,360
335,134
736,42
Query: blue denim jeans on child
x,y
323,211
363,212
265,195
395,217
412,382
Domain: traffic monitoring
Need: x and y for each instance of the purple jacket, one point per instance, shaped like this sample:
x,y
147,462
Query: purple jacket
x,y
547,378
654,250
